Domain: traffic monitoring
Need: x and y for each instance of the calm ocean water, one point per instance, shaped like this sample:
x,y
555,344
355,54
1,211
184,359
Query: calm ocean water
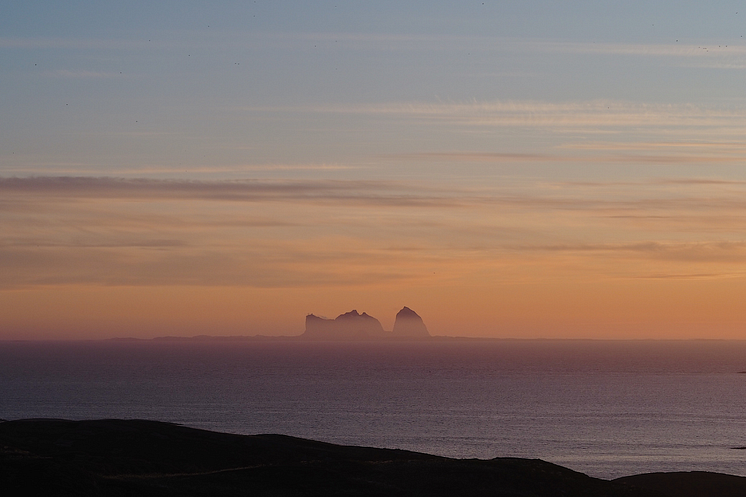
x,y
607,409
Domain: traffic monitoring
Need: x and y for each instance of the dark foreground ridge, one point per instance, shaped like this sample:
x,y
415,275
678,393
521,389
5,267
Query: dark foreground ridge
x,y
148,458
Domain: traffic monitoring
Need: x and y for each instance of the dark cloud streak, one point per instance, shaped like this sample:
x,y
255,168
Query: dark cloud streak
x,y
375,192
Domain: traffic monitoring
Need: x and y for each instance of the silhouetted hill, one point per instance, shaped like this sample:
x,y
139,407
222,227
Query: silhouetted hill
x,y
690,484
116,457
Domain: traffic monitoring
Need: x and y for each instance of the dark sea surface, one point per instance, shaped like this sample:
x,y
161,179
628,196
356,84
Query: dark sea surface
x,y
605,408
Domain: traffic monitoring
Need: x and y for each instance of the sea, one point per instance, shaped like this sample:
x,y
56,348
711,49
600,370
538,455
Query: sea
x,y
604,408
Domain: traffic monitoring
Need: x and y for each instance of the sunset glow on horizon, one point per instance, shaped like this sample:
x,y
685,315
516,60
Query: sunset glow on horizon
x,y
511,171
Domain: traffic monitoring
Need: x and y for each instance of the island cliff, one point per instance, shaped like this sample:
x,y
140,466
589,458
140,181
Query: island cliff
x,y
347,326
409,324
355,326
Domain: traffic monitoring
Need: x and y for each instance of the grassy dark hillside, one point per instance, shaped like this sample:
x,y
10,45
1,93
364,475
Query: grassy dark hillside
x,y
690,484
133,457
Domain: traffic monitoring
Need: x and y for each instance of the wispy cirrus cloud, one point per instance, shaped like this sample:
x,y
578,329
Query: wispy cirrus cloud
x,y
676,49
711,54
705,53
586,115
678,251
117,231
229,169
725,147
351,191
630,158
474,157
559,195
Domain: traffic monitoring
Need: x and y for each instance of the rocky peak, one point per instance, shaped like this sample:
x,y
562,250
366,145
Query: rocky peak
x,y
409,324
348,326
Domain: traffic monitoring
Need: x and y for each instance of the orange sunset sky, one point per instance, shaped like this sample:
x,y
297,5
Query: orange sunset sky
x,y
528,171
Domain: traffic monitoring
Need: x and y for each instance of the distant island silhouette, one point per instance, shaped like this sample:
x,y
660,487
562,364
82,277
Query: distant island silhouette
x,y
355,326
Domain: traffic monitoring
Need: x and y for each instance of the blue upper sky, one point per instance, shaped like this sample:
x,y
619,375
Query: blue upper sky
x,y
203,75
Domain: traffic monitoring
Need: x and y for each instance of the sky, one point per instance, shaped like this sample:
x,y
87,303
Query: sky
x,y
530,169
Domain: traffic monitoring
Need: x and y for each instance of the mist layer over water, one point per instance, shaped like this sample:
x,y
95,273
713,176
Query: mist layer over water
x,y
604,408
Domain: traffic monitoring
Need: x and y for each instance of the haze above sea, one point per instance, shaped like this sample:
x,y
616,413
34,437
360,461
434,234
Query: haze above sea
x,y
605,408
